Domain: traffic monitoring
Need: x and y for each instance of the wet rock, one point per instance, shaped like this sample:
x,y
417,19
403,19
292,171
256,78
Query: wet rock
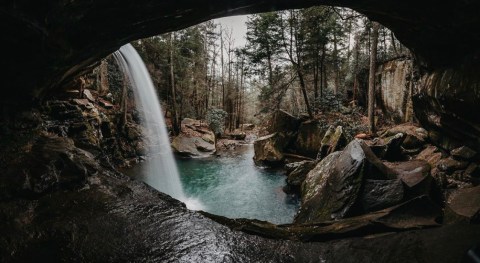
x,y
52,163
419,212
431,154
332,188
309,139
268,149
283,121
115,219
415,138
450,165
380,194
463,153
296,177
334,140
465,202
318,204
187,146
388,148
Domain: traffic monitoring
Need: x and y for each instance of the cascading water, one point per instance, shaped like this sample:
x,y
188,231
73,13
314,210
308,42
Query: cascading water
x,y
162,174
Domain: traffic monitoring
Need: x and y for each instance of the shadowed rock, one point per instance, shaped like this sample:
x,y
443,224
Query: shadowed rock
x,y
331,190
379,194
310,138
388,148
268,149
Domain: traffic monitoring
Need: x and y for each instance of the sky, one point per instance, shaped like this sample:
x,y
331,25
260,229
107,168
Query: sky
x,y
237,24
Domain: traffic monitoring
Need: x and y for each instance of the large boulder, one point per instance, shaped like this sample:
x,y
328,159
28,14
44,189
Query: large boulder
x,y
332,189
431,154
415,138
309,138
465,202
450,165
195,140
269,149
380,194
417,179
296,177
187,146
388,148
283,121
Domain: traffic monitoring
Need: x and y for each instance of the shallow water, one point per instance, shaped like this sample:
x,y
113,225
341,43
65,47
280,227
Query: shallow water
x,y
232,186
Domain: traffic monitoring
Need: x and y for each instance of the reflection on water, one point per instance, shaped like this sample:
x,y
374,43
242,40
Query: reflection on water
x,y
234,187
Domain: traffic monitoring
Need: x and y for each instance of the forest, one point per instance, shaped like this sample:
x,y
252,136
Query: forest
x,y
304,61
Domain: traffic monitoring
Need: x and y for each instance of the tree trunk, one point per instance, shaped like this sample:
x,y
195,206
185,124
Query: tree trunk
x,y
371,77
335,63
175,122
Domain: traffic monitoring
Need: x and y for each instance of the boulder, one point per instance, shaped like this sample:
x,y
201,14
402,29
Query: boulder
x,y
309,138
415,138
296,177
450,165
189,146
416,177
195,128
380,194
333,141
269,149
388,148
463,153
283,121
465,202
431,154
332,188
51,163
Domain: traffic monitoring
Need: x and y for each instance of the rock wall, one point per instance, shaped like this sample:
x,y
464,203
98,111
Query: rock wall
x,y
447,103
395,84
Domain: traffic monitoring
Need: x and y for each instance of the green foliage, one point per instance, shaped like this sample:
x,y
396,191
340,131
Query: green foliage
x,y
216,120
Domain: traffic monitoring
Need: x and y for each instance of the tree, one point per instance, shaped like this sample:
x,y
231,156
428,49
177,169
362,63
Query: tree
x,y
216,121
371,77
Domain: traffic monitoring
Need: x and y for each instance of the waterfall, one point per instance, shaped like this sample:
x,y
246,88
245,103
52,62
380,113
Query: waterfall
x,y
161,171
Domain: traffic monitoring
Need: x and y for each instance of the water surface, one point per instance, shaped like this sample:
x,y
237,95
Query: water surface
x,y
232,186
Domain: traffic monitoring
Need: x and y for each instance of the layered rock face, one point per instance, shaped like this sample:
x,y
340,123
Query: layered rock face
x,y
395,88
447,103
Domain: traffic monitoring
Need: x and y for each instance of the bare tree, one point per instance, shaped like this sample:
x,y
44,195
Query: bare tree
x,y
371,77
